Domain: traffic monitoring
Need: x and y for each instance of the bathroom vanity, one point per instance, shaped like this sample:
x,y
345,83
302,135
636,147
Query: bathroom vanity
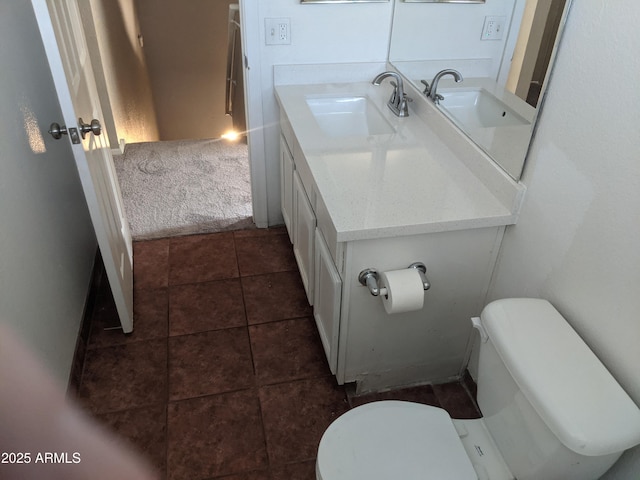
x,y
362,188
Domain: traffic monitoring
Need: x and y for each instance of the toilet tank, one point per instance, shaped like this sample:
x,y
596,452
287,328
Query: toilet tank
x,y
551,406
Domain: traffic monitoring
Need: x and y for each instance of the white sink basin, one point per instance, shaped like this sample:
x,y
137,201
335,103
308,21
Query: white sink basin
x,y
348,116
477,108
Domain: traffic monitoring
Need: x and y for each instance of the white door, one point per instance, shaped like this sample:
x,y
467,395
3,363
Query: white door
x,y
61,30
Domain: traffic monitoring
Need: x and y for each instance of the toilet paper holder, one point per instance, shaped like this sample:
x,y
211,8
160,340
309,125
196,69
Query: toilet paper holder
x,y
369,278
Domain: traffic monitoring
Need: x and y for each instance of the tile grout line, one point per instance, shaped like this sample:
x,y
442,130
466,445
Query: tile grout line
x,y
253,362
244,308
168,380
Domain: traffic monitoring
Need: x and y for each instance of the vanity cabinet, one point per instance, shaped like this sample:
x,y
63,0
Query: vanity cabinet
x,y
299,217
383,202
320,277
378,350
362,342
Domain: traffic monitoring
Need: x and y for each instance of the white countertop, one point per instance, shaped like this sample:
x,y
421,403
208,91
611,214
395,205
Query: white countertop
x,y
405,183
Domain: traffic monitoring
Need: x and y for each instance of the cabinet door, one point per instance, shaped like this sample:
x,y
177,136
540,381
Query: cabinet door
x,y
304,226
328,293
286,186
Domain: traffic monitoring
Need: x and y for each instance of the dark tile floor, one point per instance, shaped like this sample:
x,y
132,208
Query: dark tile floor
x,y
224,375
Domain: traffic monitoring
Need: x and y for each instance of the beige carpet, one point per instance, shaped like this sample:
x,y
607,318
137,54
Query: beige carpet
x,y
185,187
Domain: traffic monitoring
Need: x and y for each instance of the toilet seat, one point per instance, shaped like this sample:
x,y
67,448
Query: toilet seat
x,y
393,439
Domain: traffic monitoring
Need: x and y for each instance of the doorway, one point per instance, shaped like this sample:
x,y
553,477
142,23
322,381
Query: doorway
x,y
186,51
165,74
534,48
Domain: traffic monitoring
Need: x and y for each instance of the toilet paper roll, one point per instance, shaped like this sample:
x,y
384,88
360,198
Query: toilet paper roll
x,y
405,292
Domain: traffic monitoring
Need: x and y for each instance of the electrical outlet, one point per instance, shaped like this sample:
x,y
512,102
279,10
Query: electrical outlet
x,y
493,28
277,31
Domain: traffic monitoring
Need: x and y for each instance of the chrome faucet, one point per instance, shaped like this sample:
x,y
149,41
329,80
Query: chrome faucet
x,y
431,91
398,101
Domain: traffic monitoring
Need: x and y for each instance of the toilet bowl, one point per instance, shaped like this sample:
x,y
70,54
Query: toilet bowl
x,y
551,411
393,439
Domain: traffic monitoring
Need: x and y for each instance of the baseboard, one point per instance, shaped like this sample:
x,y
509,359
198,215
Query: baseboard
x,y
82,341
119,150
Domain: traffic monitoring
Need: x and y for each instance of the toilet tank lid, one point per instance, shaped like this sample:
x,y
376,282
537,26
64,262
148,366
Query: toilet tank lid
x,y
571,390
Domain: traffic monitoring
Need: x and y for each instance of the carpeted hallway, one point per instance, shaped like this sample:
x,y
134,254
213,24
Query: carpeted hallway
x,y
185,187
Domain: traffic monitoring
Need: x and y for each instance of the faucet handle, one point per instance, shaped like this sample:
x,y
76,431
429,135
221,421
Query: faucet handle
x,y
427,87
401,102
394,94
398,101
403,107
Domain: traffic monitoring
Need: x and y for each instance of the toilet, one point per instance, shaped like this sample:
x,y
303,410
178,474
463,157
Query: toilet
x,y
551,411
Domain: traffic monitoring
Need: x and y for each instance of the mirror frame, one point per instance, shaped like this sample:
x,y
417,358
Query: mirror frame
x,y
345,1
444,1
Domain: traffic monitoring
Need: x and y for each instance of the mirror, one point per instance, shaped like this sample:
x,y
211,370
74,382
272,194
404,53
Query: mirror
x,y
503,49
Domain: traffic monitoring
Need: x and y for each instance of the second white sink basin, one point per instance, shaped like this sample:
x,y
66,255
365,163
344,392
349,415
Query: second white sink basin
x,y
477,108
348,116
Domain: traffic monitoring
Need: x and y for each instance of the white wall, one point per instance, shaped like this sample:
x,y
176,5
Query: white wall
x,y
47,245
577,240
320,33
186,51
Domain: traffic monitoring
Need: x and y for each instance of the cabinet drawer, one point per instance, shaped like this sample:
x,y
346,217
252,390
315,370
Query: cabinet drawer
x,y
287,130
329,234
